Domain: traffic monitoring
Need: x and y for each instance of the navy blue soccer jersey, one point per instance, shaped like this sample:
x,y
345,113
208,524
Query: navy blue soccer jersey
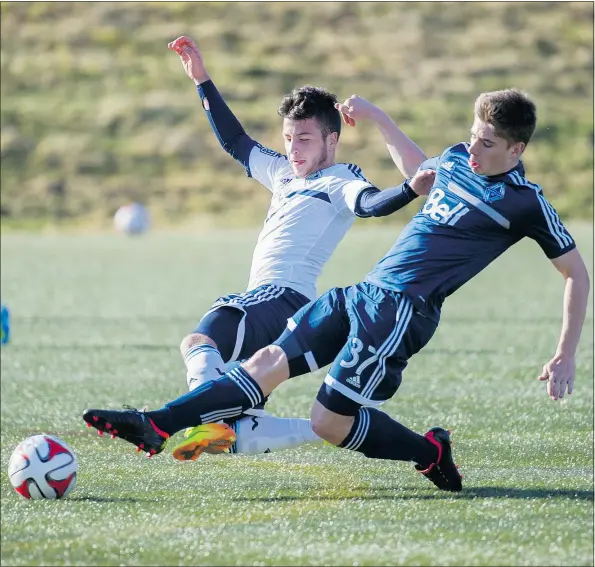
x,y
467,221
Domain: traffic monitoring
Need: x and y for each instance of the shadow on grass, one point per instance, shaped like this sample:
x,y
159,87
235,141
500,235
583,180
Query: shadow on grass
x,y
410,493
462,351
103,499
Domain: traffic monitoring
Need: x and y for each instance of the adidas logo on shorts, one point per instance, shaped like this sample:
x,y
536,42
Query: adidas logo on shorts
x,y
354,381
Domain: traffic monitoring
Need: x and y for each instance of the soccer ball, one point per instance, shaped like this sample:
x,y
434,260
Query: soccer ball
x,y
132,219
43,466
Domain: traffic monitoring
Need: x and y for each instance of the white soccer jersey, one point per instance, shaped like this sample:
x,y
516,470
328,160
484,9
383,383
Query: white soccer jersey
x,y
307,219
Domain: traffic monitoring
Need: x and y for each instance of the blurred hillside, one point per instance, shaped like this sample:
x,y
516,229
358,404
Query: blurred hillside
x,y
97,112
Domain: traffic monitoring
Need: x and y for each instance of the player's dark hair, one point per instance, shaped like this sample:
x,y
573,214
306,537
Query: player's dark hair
x,y
312,102
511,112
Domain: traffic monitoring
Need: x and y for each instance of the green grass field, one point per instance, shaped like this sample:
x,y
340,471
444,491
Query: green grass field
x,y
97,319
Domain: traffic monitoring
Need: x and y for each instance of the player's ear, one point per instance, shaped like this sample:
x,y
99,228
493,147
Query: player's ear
x,y
333,139
517,149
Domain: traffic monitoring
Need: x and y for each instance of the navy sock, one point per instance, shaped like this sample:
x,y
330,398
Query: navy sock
x,y
378,436
212,401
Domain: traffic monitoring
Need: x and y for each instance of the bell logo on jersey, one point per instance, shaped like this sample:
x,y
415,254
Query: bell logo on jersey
x,y
444,209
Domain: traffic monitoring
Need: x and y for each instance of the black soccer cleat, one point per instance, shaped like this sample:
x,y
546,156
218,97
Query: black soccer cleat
x,y
443,473
131,425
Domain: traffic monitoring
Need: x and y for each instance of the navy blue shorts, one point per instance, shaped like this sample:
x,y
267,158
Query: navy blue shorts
x,y
265,311
368,334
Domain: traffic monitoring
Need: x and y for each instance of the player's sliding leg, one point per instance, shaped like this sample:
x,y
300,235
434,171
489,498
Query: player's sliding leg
x,y
219,337
242,388
262,433
254,435
204,351
384,334
237,326
266,433
205,361
226,397
376,435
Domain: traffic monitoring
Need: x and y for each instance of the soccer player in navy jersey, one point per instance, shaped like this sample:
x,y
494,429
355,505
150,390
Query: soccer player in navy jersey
x,y
480,205
314,201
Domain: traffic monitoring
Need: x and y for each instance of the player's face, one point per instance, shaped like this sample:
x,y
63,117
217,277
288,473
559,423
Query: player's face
x,y
491,154
307,149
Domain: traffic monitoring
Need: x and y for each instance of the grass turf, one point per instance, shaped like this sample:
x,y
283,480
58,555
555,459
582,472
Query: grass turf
x,y
97,320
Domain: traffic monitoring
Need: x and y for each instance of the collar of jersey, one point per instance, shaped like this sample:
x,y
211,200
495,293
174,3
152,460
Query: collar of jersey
x,y
318,173
519,168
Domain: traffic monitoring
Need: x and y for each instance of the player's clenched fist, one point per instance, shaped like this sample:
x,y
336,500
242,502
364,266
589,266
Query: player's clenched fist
x,y
190,57
422,181
356,108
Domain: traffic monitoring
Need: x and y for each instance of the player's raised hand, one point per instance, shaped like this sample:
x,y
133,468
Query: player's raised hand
x,y
559,373
422,181
356,108
190,57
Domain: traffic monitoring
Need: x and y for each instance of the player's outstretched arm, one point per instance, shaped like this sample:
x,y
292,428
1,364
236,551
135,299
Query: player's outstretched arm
x,y
559,371
405,152
374,203
229,131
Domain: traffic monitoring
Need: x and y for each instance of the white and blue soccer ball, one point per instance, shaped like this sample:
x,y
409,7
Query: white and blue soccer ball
x,y
132,219
43,467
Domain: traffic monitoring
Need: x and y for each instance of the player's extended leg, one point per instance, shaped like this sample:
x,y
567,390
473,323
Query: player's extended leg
x,y
376,435
216,338
241,324
322,324
229,396
226,397
385,331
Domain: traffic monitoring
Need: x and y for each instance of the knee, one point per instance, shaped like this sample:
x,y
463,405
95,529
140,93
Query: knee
x,y
269,357
268,367
322,429
330,426
194,339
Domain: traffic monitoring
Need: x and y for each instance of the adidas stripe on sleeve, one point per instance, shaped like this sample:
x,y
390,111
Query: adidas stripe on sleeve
x,y
346,188
545,227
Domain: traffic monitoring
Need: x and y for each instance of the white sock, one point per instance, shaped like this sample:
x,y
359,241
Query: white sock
x,y
203,363
268,433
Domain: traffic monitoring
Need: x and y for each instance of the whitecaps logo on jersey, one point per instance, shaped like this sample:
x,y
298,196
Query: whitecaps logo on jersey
x,y
316,175
494,192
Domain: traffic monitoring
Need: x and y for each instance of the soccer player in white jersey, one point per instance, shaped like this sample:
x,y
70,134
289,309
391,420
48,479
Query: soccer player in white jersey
x,y
314,202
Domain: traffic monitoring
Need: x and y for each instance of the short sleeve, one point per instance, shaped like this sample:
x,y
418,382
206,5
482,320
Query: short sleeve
x,y
266,165
431,163
545,227
346,188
